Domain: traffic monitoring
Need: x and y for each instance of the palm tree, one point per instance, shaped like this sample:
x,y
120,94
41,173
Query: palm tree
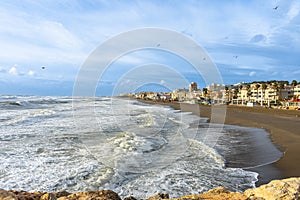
x,y
294,83
256,87
235,95
281,88
276,88
205,92
227,93
249,93
264,87
281,85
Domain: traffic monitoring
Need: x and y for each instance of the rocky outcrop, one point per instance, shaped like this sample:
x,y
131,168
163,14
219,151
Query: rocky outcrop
x,y
278,189
62,195
95,195
159,196
6,195
20,195
286,189
215,194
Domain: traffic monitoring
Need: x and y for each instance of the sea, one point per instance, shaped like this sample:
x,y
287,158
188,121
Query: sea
x,y
91,143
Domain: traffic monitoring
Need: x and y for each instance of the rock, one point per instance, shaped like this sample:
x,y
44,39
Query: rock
x,y
92,195
215,194
5,195
286,189
23,195
159,196
218,190
61,194
48,196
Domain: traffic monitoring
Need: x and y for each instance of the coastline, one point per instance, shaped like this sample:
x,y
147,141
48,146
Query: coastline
x,y
287,189
282,125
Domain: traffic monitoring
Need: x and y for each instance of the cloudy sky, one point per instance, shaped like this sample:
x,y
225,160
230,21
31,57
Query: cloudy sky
x,y
44,44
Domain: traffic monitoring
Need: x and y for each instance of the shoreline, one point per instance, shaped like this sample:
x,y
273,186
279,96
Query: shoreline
x,y
282,126
277,189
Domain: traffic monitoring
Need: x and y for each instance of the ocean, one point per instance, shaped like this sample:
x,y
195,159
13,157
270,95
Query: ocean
x,y
79,144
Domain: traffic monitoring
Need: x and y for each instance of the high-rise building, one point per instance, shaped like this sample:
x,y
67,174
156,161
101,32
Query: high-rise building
x,y
193,87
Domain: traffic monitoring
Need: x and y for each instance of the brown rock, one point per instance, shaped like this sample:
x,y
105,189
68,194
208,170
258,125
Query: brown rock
x,y
23,195
48,196
61,194
286,189
219,193
159,196
5,195
92,195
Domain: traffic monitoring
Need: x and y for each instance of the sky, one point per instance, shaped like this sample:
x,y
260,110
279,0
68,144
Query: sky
x,y
45,44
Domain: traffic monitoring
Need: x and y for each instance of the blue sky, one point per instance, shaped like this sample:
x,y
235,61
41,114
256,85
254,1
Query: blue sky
x,y
45,43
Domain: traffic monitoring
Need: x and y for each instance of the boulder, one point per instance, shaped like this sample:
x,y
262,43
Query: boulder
x,y
23,195
48,196
6,195
215,194
92,195
159,196
286,189
62,193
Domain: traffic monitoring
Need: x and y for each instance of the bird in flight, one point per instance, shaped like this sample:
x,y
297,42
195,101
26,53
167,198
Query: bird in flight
x,y
43,67
276,7
235,57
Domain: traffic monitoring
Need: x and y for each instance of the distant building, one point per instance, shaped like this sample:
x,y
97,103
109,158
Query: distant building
x,y
270,93
297,92
193,87
217,93
180,94
286,93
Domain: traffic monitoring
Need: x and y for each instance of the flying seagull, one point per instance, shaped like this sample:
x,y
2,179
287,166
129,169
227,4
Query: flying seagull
x,y
275,8
235,57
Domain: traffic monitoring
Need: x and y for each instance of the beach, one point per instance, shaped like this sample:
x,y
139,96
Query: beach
x,y
282,125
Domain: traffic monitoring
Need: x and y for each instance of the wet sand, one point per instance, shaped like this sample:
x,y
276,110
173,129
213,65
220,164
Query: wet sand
x,y
283,126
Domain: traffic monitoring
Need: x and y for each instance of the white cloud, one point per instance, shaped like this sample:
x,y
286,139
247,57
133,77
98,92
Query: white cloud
x,y
2,69
253,73
130,59
14,50
13,71
31,73
162,82
238,73
27,37
126,82
293,11
55,34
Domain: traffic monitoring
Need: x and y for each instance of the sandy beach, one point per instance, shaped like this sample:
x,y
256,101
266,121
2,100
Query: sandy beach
x,y
282,125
